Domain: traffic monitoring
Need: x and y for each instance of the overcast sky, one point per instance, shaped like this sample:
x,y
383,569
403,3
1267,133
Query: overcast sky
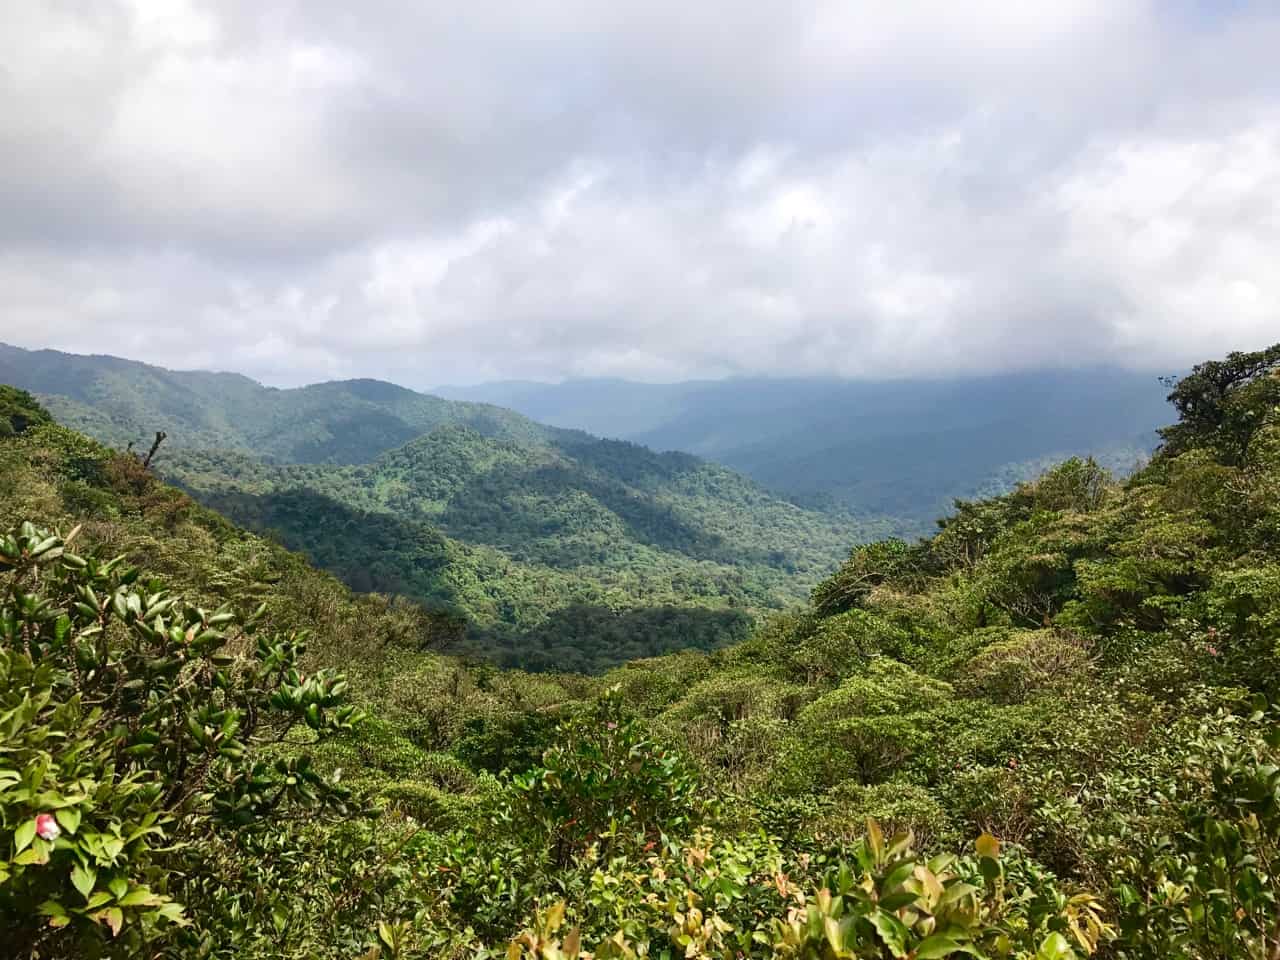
x,y
439,192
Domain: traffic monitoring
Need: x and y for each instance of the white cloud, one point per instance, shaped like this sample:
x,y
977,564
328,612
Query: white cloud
x,y
652,189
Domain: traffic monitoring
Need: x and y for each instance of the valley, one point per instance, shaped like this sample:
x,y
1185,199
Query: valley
x,y
1001,740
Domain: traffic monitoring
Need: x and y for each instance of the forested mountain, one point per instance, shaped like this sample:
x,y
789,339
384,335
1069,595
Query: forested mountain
x,y
545,551
1044,733
350,421
899,449
543,547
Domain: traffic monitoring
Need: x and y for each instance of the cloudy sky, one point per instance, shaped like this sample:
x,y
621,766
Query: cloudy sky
x,y
450,192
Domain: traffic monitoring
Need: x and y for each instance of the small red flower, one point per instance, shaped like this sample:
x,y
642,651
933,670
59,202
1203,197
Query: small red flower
x,y
47,827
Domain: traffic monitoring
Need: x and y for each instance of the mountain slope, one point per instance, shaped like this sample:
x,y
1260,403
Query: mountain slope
x,y
891,448
584,534
349,421
540,544
1047,731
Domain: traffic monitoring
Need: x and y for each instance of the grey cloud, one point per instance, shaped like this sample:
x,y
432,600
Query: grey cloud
x,y
655,189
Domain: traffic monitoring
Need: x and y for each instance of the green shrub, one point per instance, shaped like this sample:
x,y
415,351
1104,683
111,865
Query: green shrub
x,y
1029,661
128,735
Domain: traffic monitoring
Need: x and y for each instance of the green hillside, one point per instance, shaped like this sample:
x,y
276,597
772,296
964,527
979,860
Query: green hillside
x,y
581,535
1045,732
352,421
546,548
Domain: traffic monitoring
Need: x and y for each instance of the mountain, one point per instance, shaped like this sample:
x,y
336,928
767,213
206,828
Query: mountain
x,y
1047,731
897,448
349,421
545,547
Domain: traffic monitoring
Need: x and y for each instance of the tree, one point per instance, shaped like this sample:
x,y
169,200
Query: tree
x,y
1221,404
19,410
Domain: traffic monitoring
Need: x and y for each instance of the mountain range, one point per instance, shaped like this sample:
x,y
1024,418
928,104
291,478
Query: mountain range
x,y
896,448
543,546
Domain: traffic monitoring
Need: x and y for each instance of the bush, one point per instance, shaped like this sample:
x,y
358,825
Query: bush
x,y
129,738
1029,661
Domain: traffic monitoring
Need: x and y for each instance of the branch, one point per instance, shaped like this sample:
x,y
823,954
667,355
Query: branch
x,y
160,435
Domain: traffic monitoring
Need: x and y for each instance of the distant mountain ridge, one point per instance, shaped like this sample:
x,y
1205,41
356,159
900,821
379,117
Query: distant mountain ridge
x,y
894,448
341,421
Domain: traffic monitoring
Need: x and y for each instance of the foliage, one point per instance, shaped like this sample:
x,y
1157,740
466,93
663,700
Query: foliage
x,y
1080,666
1221,404
129,732
19,411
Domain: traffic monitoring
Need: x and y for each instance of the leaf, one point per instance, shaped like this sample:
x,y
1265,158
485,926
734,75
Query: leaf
x,y
386,935
875,838
141,897
892,931
831,928
172,911
23,836
555,916
896,901
957,891
83,879
1055,947
939,946
52,908
68,818
114,918
897,875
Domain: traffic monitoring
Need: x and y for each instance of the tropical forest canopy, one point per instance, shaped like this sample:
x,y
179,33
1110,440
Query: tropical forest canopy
x,y
535,546
1046,731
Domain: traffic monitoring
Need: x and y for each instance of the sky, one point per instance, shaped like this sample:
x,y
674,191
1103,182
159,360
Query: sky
x,y
434,192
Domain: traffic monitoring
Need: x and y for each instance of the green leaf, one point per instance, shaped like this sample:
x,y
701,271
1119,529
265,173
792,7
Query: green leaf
x,y
172,911
23,836
957,891
52,908
83,879
1055,947
98,899
939,946
140,897
386,935
68,818
892,931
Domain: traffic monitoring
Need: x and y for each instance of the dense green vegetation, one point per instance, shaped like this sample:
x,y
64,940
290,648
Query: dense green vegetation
x,y
121,401
544,548
1044,732
576,556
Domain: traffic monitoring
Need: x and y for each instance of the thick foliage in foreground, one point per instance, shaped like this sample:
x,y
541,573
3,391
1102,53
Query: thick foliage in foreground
x,y
133,747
